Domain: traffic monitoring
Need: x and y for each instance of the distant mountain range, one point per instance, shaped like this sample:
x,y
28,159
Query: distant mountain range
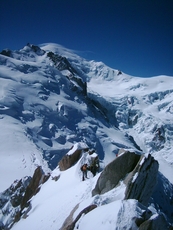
x,y
56,108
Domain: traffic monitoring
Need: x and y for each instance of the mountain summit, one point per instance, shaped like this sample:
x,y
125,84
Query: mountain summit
x,y
59,111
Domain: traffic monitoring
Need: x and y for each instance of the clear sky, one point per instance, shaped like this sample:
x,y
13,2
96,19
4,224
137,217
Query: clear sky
x,y
135,36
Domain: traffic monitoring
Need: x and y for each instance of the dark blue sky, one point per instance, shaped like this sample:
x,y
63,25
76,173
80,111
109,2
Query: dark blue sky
x,y
135,36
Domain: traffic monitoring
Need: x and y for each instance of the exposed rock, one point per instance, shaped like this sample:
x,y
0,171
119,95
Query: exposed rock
x,y
132,116
10,201
133,215
56,178
93,162
116,171
6,52
1,226
133,142
80,83
158,222
143,180
69,220
163,196
38,178
144,216
15,192
84,211
36,49
61,63
69,160
159,138
119,72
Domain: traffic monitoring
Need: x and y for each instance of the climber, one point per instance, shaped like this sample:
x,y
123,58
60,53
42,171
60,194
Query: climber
x,y
84,169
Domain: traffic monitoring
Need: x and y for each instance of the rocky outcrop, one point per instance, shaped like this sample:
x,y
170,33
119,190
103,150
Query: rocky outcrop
x,y
83,212
61,63
116,171
33,188
69,160
36,49
10,201
159,138
139,174
142,181
6,52
14,199
158,222
162,196
133,215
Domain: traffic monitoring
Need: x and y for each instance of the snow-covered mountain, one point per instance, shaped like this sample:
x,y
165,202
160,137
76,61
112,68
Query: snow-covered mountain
x,y
51,101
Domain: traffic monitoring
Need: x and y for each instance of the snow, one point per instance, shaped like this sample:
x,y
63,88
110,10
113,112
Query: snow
x,y
41,120
134,177
20,158
76,147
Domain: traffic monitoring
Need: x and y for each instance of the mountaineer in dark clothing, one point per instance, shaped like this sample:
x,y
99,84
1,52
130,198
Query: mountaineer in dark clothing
x,y
84,169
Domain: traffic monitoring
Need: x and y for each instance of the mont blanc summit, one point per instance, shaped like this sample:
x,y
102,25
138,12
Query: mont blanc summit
x,y
59,111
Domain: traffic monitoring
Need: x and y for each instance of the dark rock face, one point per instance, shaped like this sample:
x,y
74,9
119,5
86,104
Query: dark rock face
x,y
15,192
10,201
6,52
142,187
159,223
69,160
38,178
84,211
116,171
14,199
140,217
94,163
162,196
61,63
2,226
36,49
159,138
